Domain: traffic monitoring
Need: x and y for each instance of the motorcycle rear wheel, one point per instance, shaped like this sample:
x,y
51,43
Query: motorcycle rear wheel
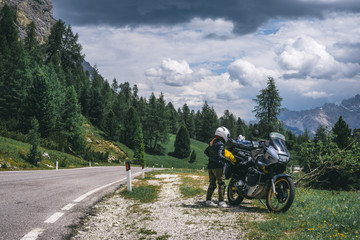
x,y
233,195
284,197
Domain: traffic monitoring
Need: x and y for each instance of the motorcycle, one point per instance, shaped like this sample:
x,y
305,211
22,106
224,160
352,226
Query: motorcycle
x,y
260,173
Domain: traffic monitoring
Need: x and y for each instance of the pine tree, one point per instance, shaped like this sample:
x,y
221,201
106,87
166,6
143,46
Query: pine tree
x,y
34,139
30,40
172,117
155,123
139,147
72,120
321,134
342,133
182,143
228,120
208,123
13,67
267,108
44,100
96,111
241,128
131,124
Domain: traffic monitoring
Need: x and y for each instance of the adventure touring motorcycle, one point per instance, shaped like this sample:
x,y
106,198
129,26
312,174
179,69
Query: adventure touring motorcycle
x,y
259,173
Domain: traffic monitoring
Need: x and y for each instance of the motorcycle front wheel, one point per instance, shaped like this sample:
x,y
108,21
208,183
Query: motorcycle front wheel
x,y
284,196
233,194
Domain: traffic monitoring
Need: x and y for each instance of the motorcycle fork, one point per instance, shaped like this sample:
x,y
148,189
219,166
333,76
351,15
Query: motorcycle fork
x,y
273,187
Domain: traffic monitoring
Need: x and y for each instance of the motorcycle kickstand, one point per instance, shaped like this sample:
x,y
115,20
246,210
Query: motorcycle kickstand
x,y
260,200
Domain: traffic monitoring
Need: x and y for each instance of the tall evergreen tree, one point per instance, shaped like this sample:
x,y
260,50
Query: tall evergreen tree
x,y
96,111
72,120
182,143
268,106
208,123
156,123
342,133
241,128
130,127
321,134
13,67
173,118
228,120
30,40
34,139
43,100
139,147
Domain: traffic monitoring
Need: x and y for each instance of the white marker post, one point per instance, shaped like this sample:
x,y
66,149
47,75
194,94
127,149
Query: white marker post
x,y
143,172
128,176
89,163
57,164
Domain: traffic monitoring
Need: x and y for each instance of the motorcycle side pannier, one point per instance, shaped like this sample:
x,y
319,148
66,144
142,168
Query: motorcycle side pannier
x,y
252,177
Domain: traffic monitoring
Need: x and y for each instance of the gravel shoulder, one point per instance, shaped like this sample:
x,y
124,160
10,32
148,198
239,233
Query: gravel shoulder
x,y
170,217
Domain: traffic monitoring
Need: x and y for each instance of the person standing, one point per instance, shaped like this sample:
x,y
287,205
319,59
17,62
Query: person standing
x,y
216,153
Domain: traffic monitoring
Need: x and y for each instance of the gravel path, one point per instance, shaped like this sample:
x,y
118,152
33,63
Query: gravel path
x,y
170,217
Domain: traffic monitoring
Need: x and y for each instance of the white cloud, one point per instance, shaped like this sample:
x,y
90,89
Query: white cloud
x,y
171,72
247,74
316,94
218,26
304,57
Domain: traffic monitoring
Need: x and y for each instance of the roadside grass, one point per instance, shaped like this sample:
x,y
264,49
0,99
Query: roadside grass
x,y
13,155
315,214
143,193
191,187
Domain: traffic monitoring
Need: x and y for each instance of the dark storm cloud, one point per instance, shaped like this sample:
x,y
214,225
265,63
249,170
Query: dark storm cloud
x,y
247,15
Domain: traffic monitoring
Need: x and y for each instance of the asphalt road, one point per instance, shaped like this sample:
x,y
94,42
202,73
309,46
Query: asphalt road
x,y
48,204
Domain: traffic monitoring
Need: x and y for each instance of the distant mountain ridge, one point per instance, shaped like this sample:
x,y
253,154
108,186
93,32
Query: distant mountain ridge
x,y
327,116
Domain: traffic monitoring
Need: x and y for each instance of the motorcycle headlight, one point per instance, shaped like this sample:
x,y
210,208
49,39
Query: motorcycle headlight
x,y
283,158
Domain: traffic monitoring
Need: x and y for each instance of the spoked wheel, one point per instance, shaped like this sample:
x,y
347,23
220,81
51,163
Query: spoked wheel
x,y
233,194
284,197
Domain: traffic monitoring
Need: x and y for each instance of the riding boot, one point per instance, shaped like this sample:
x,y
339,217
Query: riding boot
x,y
210,192
221,192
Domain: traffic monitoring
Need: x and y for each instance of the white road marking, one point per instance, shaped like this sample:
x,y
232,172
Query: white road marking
x,y
33,234
68,207
54,217
82,197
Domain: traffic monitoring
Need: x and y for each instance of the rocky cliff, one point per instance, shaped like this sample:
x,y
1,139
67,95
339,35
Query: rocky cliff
x,y
38,11
327,116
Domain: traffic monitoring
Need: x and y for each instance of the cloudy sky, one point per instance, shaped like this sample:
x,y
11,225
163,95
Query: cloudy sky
x,y
223,51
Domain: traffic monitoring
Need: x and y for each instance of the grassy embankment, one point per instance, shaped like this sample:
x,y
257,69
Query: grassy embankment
x,y
13,154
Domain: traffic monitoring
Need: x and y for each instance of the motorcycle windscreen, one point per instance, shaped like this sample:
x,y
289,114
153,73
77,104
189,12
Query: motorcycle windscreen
x,y
279,145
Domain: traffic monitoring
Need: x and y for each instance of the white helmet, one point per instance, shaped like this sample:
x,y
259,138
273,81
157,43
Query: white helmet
x,y
223,132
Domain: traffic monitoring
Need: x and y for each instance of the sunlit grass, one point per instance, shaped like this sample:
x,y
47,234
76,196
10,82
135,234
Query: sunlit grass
x,y
191,187
143,193
315,214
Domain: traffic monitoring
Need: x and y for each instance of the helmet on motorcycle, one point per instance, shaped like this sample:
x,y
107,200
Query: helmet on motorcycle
x,y
223,132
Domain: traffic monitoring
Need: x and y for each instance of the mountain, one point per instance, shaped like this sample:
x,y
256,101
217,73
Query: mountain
x,y
41,13
327,116
38,11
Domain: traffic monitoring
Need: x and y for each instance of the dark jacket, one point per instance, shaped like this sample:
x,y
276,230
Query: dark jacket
x,y
215,151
